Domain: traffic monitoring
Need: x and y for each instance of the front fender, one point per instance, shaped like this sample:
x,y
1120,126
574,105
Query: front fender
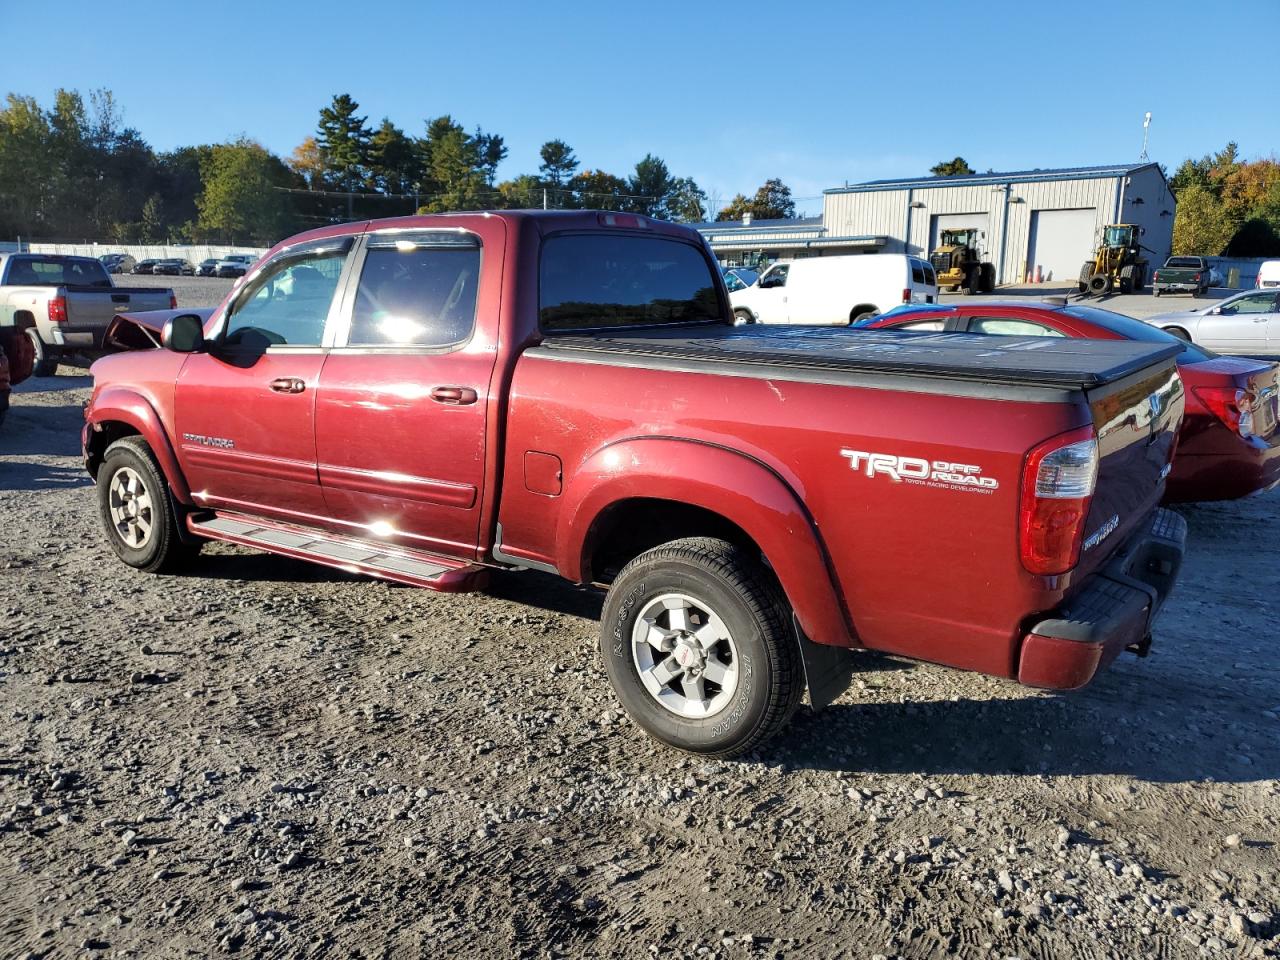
x,y
725,482
122,405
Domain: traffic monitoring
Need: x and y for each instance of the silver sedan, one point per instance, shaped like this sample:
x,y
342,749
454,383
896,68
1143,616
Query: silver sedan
x,y
1247,323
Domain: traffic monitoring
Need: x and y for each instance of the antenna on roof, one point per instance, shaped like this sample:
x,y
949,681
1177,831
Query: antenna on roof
x,y
1146,125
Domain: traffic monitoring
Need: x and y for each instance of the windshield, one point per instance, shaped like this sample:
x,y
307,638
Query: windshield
x,y
739,278
1117,236
57,272
1132,329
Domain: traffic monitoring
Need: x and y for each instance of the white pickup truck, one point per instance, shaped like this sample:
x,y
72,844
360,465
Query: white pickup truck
x,y
66,303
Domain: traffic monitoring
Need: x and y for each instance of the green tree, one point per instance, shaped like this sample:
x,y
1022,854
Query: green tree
x,y
395,161
558,162
595,190
686,202
650,187
1256,237
456,173
522,193
344,140
153,222
491,151
951,168
27,186
1201,227
239,202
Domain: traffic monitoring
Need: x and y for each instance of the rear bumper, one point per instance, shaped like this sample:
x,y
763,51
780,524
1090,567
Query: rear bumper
x,y
1189,286
1249,467
1111,613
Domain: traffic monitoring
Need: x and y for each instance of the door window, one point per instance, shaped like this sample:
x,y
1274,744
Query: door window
x,y
288,303
776,277
1011,327
416,290
926,325
1254,303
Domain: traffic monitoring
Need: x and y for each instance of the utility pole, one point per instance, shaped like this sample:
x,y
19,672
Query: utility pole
x,y
1146,124
544,198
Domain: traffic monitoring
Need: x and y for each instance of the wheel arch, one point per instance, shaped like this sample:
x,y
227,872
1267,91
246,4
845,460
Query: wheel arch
x,y
632,490
862,308
117,413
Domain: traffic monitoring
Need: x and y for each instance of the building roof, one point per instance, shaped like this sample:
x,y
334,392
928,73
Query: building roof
x,y
1018,176
779,223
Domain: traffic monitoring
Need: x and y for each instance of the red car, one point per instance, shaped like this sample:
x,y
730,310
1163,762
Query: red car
x,y
1229,445
431,398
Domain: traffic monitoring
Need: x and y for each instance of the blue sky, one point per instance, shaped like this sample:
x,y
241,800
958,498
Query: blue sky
x,y
815,93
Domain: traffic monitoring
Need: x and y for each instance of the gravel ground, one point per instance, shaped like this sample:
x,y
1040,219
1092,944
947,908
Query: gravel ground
x,y
274,759
191,291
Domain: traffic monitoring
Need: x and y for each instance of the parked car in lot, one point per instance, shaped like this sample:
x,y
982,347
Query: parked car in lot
x,y
144,266
578,401
235,265
1268,275
175,267
1245,323
834,291
64,304
118,262
739,278
1191,275
1229,445
207,268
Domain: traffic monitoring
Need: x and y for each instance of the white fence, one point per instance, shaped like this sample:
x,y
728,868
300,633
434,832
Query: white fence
x,y
194,252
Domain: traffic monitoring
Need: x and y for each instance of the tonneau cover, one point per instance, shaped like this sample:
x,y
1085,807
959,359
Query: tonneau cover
x,y
1056,361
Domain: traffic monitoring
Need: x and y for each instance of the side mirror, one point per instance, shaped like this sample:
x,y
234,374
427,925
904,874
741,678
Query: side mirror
x,y
183,334
1215,311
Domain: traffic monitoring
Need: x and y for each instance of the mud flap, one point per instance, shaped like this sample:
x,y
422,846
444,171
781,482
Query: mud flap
x,y
828,670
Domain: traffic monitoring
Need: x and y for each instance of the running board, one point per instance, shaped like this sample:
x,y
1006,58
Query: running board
x,y
355,556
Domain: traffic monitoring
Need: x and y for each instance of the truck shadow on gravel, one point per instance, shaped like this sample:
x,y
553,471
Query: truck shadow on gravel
x,y
1045,735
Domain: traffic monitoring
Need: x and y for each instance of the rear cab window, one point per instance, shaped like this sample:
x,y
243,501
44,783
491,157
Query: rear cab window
x,y
596,281
27,271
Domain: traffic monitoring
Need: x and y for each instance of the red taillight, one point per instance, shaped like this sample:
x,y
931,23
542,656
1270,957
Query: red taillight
x,y
1196,278
173,301
906,295
1058,481
1234,407
58,310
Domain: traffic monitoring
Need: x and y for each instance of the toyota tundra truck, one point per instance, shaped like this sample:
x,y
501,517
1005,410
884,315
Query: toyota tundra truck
x,y
65,304
433,398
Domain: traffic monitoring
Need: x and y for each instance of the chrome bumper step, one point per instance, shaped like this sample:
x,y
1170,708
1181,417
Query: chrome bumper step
x,y
353,555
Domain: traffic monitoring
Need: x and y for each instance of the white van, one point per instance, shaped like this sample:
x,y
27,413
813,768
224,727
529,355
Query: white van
x,y
1268,274
834,291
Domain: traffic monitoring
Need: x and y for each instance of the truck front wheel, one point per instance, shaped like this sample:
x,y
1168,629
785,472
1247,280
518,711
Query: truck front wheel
x,y
133,500
697,642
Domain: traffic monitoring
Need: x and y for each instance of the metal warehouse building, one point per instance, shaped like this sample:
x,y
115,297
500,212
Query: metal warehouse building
x,y
1050,219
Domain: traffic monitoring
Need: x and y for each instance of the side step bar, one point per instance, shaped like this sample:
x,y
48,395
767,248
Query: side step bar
x,y
365,557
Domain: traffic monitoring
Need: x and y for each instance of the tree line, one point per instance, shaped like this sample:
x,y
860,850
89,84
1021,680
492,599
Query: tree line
x,y
1227,206
75,171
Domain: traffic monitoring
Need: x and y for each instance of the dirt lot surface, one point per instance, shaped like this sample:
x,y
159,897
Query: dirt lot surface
x,y
272,759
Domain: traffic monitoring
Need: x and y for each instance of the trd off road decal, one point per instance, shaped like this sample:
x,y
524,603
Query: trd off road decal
x,y
942,474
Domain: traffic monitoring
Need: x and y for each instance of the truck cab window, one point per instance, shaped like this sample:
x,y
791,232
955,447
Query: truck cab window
x,y
775,277
287,304
614,280
416,291
1010,327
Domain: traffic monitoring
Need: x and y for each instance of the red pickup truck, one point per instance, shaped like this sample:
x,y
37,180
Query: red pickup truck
x,y
427,399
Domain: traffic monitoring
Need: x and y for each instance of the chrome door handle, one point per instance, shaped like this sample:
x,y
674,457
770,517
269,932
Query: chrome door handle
x,y
288,385
454,396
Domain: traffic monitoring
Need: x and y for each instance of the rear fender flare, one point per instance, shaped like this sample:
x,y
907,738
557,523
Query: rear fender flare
x,y
735,486
119,405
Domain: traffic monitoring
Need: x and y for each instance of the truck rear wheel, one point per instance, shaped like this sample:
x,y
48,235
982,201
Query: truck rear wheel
x,y
972,281
697,642
136,511
46,362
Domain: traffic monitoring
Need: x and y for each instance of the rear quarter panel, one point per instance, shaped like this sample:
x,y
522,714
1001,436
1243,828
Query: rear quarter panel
x,y
927,569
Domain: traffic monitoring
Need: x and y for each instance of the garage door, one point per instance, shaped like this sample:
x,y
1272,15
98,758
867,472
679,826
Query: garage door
x,y
1061,241
956,221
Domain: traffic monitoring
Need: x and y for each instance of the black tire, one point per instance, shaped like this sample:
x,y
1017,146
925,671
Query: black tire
x,y
743,317
162,551
1179,333
972,282
4,406
737,588
46,364
862,312
1099,284
1085,273
988,277
1126,279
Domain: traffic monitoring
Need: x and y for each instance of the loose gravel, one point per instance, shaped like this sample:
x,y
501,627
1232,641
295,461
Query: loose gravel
x,y
266,758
